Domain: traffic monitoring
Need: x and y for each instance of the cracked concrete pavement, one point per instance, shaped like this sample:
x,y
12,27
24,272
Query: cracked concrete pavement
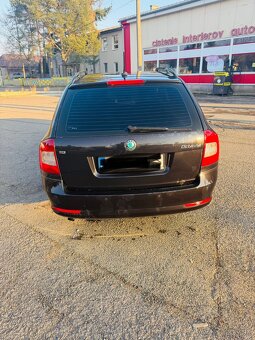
x,y
184,276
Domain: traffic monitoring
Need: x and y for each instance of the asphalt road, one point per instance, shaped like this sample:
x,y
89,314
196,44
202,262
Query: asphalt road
x,y
185,276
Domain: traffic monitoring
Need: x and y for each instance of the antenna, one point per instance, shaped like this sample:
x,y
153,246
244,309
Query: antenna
x,y
124,75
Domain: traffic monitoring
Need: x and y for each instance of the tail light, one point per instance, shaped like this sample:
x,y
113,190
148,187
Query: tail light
x,y
211,148
47,157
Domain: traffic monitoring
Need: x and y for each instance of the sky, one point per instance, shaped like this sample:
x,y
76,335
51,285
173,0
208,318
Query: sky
x,y
124,8
120,9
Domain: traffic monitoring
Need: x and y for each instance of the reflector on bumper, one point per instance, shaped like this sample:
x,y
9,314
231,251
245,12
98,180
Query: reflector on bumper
x,y
196,204
67,211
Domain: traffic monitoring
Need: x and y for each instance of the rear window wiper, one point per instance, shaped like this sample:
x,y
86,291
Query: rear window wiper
x,y
134,129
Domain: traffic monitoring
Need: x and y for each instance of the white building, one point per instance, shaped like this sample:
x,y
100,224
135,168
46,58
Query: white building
x,y
111,54
196,38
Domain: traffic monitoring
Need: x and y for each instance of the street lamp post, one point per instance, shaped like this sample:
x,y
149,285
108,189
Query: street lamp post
x,y
139,37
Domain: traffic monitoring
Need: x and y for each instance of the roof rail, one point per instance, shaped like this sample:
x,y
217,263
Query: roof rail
x,y
78,76
167,72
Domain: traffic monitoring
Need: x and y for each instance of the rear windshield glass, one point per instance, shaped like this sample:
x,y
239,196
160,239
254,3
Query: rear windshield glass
x,y
113,109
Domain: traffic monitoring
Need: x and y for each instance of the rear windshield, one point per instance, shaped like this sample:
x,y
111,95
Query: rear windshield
x,y
113,109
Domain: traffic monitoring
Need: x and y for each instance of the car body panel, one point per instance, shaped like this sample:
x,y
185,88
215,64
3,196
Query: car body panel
x,y
185,153
164,200
81,185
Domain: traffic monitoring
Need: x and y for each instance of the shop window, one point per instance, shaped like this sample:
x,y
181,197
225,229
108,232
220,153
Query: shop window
x,y
214,63
245,40
244,62
150,51
168,64
150,65
189,65
115,42
105,68
217,43
116,66
190,47
168,49
104,44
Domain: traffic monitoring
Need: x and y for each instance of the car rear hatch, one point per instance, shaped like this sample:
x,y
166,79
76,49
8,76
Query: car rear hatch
x,y
143,135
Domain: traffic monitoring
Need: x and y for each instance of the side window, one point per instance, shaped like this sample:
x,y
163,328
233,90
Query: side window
x,y
104,44
115,42
214,63
245,62
189,65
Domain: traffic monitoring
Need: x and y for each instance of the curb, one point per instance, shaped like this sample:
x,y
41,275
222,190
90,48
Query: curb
x,y
31,90
10,94
232,124
17,93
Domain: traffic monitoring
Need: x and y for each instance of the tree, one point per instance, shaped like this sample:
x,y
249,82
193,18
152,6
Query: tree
x,y
69,26
47,27
19,30
23,37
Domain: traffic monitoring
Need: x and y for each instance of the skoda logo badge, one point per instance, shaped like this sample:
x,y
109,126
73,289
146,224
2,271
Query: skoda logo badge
x,y
130,145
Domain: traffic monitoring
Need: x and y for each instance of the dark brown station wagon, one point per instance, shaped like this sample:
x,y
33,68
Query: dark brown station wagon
x,y
128,146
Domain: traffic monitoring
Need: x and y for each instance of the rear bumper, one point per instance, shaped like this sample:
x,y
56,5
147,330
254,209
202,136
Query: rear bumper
x,y
164,201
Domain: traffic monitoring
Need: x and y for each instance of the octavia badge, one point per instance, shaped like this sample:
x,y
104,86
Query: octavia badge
x,y
130,145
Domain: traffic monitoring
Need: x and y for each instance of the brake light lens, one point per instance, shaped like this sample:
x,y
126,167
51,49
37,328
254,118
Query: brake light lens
x,y
125,82
47,157
211,148
67,211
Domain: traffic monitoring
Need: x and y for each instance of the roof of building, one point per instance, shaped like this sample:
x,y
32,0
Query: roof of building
x,y
15,60
176,7
110,30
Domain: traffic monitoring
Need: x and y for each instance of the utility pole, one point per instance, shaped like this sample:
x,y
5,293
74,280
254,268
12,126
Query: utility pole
x,y
139,38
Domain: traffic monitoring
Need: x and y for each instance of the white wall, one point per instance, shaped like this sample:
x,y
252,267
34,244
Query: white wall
x,y
222,15
111,56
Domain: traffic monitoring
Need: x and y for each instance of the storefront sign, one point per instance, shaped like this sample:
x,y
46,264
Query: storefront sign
x,y
201,37
242,31
194,38
165,42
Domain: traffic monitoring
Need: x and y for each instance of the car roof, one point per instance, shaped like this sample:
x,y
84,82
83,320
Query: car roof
x,y
81,80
